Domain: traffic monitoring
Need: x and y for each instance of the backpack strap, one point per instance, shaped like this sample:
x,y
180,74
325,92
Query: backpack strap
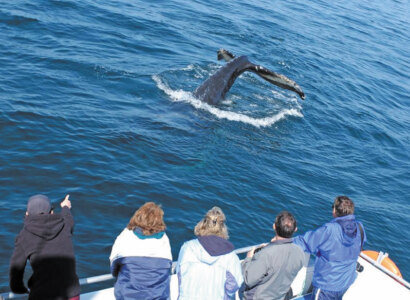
x,y
361,235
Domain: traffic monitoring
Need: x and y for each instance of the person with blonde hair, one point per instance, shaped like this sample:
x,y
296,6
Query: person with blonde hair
x,y
208,267
141,256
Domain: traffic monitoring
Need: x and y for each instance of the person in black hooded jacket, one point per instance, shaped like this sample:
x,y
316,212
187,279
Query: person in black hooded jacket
x,y
46,240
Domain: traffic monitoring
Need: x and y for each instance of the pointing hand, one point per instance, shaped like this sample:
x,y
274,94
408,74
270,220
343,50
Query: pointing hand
x,y
66,202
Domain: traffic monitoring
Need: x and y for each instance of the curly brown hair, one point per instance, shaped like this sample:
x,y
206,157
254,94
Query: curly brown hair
x,y
149,218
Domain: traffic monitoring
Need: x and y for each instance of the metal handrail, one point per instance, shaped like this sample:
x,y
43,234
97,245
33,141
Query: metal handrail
x,y
383,269
106,277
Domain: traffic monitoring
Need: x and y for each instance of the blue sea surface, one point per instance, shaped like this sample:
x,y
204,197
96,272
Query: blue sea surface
x,y
96,102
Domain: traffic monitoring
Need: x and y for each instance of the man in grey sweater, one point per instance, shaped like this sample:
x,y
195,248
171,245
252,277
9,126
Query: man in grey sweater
x,y
269,271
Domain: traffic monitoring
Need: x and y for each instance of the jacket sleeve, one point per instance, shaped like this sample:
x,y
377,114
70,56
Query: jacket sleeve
x,y
68,217
255,269
115,267
364,234
115,257
312,240
180,259
17,265
234,278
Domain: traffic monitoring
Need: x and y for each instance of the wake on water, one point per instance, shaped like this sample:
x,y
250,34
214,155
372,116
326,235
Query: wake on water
x,y
184,96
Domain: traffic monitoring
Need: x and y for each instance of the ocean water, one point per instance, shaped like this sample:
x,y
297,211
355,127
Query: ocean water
x,y
96,102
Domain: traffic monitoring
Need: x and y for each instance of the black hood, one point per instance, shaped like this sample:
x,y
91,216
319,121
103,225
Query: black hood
x,y
45,226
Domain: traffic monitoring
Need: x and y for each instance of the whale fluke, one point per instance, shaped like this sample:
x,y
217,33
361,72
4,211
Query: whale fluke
x,y
216,86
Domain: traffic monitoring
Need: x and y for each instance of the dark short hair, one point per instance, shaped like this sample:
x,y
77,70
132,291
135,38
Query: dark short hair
x,y
285,224
343,206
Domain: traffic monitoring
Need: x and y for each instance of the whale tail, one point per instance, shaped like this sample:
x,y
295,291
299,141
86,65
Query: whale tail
x,y
270,76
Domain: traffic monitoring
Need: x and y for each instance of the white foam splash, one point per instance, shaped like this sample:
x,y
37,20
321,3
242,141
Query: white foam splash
x,y
188,68
181,95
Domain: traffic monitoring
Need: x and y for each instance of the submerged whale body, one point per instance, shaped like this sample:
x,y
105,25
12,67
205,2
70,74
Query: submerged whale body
x,y
213,90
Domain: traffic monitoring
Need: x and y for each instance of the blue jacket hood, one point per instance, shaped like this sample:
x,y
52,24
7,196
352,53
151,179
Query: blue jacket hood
x,y
349,228
215,245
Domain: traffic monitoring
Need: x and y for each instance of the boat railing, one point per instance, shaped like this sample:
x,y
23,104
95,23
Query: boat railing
x,y
385,270
107,277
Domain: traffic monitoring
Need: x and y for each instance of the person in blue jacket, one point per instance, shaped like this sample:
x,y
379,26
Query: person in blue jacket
x,y
208,267
337,245
141,257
